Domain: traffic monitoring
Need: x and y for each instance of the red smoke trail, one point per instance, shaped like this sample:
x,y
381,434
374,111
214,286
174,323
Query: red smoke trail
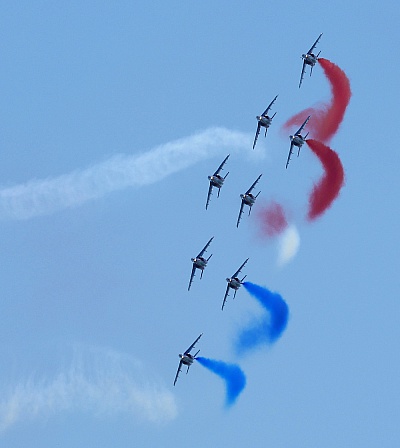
x,y
272,219
328,187
326,118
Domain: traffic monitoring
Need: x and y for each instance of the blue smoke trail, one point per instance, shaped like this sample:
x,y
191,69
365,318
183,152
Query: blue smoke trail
x,y
235,379
269,328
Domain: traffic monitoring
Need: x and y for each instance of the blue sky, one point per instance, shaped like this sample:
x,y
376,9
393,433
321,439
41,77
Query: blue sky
x,y
97,240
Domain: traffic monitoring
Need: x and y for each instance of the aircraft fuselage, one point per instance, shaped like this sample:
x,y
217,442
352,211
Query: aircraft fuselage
x,y
199,262
248,199
216,181
234,283
297,140
186,359
310,59
264,121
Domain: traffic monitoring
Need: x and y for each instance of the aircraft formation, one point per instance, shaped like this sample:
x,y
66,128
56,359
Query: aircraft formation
x,y
216,181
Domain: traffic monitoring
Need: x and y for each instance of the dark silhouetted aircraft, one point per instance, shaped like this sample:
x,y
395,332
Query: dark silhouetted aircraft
x,y
216,180
187,359
264,120
297,140
309,59
234,283
248,199
199,263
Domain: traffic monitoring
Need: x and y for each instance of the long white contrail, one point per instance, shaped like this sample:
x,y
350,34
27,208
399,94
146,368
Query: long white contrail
x,y
39,197
99,382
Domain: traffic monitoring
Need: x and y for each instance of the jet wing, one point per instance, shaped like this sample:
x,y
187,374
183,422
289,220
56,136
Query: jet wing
x,y
303,70
191,276
314,45
192,346
178,371
225,297
241,267
205,248
222,164
302,126
254,184
209,195
290,153
257,134
240,213
269,107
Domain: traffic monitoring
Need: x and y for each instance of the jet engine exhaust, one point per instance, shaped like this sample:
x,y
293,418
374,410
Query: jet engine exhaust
x,y
327,189
267,329
232,374
326,118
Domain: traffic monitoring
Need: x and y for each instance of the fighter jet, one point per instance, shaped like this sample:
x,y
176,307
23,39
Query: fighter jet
x,y
264,121
309,59
297,140
199,263
216,180
248,199
187,359
234,283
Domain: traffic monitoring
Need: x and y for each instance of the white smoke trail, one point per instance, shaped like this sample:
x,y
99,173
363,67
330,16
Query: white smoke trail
x,y
289,244
104,384
39,197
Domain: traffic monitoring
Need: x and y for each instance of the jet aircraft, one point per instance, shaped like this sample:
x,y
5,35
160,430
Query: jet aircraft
x,y
187,359
248,199
309,59
199,262
216,180
297,140
234,283
264,120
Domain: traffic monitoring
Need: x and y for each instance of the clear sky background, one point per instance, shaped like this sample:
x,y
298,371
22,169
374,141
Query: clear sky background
x,y
94,266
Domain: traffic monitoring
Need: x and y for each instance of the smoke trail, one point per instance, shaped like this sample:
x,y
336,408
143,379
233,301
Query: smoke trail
x,y
272,219
326,118
288,245
39,197
267,329
232,374
328,187
100,382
